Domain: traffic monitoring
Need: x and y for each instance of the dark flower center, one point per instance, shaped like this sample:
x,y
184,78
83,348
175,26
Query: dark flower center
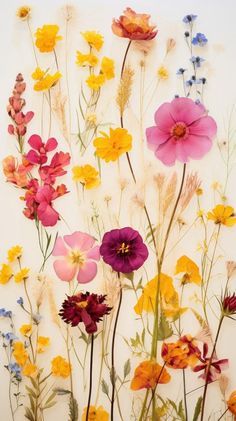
x,y
123,248
179,130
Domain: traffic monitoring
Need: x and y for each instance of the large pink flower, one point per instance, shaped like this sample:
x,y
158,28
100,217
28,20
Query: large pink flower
x,y
78,257
183,130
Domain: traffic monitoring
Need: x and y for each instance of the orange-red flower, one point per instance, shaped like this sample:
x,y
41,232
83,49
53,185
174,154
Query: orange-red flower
x,y
134,26
148,374
180,354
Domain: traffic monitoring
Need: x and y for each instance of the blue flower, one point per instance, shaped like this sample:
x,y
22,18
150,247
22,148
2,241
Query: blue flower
x,y
20,301
189,82
199,39
189,18
10,336
5,313
15,369
197,61
203,80
180,71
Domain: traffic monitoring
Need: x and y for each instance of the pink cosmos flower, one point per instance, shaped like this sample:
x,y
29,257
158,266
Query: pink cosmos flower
x,y
183,130
78,257
38,155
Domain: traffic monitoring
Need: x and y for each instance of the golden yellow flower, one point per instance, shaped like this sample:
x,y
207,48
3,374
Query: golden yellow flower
x,y
45,81
108,68
94,39
38,74
199,192
86,59
14,253
23,12
60,367
22,275
189,269
95,414
111,147
87,175
5,273
46,38
19,353
223,215
95,82
26,330
163,73
30,370
42,342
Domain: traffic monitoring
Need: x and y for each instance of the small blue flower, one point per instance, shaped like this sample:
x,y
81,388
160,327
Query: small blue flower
x,y
189,82
15,369
196,81
203,80
189,18
5,313
180,71
197,61
10,336
199,39
20,301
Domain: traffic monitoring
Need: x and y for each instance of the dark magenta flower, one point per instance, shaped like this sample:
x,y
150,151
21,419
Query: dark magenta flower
x,y
123,249
229,305
216,366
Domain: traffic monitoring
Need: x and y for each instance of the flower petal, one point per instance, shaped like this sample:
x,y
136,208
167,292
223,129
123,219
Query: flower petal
x,y
64,271
93,253
79,240
156,137
35,141
185,110
205,126
60,248
167,152
87,272
51,144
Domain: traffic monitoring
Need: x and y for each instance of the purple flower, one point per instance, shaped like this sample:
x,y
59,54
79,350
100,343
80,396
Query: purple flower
x,y
199,39
189,18
229,304
197,61
180,71
123,249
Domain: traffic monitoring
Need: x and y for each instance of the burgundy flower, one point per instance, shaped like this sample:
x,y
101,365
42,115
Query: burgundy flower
x,y
229,304
86,308
38,155
215,367
123,249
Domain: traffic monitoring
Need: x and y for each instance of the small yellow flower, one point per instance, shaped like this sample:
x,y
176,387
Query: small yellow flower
x,y
91,118
107,68
86,59
46,38
95,414
163,73
189,269
87,175
19,353
14,253
5,273
43,342
30,370
26,330
23,12
199,192
60,367
200,213
222,214
38,74
45,81
22,275
94,39
111,147
95,82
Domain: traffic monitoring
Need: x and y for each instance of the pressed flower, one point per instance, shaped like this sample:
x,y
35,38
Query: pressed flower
x,y
231,403
30,370
23,12
222,215
47,81
111,147
199,39
183,130
215,367
108,68
5,273
42,343
86,308
95,414
14,253
46,38
163,73
148,374
26,330
189,269
16,173
77,257
229,304
134,26
94,39
60,367
87,175
39,151
95,82
21,275
86,59
180,354
19,353
123,249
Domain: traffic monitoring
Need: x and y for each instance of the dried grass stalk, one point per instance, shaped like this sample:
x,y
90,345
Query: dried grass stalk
x,y
124,89
169,193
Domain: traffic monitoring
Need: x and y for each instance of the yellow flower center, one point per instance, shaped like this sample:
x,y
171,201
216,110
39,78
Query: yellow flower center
x,y
123,249
179,130
82,304
76,257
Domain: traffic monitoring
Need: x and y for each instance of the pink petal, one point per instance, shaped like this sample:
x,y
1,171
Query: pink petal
x,y
194,147
156,137
35,141
163,118
64,270
47,215
93,253
185,110
167,152
33,157
10,129
79,240
28,116
51,144
87,272
205,126
59,248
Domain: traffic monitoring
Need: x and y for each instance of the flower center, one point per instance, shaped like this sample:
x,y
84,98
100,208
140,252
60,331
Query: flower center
x,y
82,304
179,130
123,249
76,257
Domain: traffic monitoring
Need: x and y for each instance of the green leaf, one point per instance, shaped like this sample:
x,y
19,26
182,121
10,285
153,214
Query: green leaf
x,y
173,404
31,392
181,411
164,329
33,382
49,405
129,276
73,407
197,409
59,391
51,397
105,387
127,368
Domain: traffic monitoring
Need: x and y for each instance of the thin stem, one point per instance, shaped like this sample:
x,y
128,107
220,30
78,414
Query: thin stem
x,y
144,405
124,59
32,40
223,414
28,298
185,396
90,377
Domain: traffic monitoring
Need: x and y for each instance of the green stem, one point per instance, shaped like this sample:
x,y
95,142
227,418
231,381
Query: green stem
x,y
185,396
144,406
90,378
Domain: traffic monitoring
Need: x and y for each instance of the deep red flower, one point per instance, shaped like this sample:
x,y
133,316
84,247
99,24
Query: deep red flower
x,y
86,308
216,366
229,304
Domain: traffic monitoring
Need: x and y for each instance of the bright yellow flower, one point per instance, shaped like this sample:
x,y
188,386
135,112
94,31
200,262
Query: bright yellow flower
x,y
189,269
87,175
14,253
86,59
148,374
43,342
23,12
222,215
60,367
22,275
111,147
19,353
95,414
46,38
5,273
199,192
26,330
163,73
45,81
30,370
38,74
108,68
95,81
94,39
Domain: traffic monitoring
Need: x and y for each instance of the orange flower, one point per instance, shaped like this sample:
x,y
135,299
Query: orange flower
x,y
180,354
222,215
134,26
148,374
16,174
189,269
231,402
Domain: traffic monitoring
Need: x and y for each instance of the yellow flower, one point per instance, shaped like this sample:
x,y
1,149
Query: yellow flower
x,y
26,330
87,175
19,353
94,39
45,81
95,414
163,73
23,12
22,275
30,370
38,74
60,367
199,192
200,213
189,269
222,215
5,273
86,59
43,342
95,81
13,253
111,147
46,38
107,68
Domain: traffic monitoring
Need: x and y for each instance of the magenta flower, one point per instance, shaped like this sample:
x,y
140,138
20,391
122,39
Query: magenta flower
x,y
123,249
78,257
183,130
216,366
38,155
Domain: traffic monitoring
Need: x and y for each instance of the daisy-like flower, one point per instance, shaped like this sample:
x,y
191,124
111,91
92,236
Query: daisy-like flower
x,y
45,81
222,214
30,370
94,39
14,253
46,38
148,375
111,147
86,59
95,82
134,26
162,73
23,12
60,367
108,68
77,257
5,273
22,275
212,373
26,330
87,175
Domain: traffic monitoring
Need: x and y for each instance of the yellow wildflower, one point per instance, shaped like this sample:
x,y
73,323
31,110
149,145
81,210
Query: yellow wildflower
x,y
86,59
30,370
91,118
43,342
5,273
94,39
189,269
45,81
199,192
19,353
95,414
22,275
222,214
107,68
14,253
60,367
46,38
26,330
38,74
111,147
87,175
23,12
200,213
163,73
95,81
